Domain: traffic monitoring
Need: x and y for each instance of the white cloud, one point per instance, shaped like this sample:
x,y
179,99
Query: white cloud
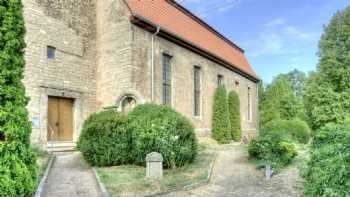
x,y
280,38
297,33
275,22
205,8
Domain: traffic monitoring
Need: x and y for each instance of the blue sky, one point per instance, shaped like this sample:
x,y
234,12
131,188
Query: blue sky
x,y
277,35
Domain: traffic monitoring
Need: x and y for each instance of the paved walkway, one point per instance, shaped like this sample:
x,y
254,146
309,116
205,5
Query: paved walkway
x,y
233,176
71,176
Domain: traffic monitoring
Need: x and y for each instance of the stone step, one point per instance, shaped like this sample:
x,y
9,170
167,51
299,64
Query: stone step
x,y
61,146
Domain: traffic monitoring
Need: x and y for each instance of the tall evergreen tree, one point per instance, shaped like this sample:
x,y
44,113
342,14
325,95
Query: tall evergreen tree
x,y
327,93
235,115
221,127
17,162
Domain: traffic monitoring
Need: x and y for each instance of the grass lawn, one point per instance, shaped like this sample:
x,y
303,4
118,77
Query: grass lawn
x,y
130,180
42,161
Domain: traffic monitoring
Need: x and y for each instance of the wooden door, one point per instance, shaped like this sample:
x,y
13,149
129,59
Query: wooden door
x,y
60,119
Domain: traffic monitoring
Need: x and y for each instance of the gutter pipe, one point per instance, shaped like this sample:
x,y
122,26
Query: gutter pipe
x,y
152,63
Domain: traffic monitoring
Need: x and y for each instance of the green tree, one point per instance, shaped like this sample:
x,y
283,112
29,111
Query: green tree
x,y
17,161
327,94
221,122
279,102
235,115
296,79
261,93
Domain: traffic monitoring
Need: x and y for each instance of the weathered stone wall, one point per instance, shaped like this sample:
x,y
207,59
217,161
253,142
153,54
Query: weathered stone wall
x,y
114,61
182,63
70,26
102,57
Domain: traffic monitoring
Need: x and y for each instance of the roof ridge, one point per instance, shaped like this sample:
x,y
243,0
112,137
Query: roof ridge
x,y
203,23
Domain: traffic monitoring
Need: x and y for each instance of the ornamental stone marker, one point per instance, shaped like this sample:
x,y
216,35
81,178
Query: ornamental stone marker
x,y
154,165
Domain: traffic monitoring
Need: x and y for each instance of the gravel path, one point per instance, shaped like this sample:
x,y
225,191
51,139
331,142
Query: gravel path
x,y
233,176
71,176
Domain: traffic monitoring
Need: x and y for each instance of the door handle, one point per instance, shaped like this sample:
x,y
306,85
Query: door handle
x,y
57,124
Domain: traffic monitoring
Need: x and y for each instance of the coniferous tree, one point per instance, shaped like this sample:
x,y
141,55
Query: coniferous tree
x,y
221,128
327,94
235,115
17,161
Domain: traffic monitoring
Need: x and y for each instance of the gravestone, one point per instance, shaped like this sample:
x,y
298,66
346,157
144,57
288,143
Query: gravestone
x,y
154,165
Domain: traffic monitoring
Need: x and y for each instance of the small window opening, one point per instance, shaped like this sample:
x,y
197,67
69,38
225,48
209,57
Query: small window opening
x,y
51,52
220,80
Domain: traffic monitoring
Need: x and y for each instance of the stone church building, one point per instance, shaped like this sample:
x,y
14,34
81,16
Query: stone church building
x,y
86,55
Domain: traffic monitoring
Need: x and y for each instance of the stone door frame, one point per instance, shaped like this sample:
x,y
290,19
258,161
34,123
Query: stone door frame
x,y
63,93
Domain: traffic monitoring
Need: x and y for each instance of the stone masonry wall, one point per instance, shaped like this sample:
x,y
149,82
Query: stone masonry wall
x,y
182,63
114,60
70,26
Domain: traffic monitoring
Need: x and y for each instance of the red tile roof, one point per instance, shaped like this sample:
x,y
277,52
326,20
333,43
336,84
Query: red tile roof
x,y
176,19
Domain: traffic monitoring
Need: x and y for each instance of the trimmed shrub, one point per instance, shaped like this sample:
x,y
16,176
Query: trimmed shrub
x,y
272,149
221,127
161,129
235,116
328,170
105,140
296,130
18,169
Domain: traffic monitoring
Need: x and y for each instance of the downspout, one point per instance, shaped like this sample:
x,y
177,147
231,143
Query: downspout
x,y
152,64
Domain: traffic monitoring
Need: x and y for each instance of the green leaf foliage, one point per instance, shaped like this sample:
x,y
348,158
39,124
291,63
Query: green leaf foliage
x,y
235,115
279,102
221,127
296,79
328,170
327,94
161,129
273,149
296,130
18,170
105,139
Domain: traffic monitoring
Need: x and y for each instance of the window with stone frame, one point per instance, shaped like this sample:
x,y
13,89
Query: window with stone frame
x,y
197,91
166,80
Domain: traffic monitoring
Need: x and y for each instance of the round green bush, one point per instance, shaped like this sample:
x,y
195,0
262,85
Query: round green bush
x,y
328,170
272,149
161,129
296,129
105,140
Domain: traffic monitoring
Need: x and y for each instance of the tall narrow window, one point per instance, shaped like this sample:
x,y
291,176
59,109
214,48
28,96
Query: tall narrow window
x,y
197,90
249,105
166,73
51,52
220,80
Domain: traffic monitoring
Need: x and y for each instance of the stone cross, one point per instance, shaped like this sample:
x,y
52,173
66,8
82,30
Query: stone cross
x,y
154,165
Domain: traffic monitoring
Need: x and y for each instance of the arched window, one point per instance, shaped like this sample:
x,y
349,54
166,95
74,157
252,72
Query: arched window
x,y
127,104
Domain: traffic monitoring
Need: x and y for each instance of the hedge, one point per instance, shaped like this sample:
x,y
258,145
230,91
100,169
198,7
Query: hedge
x,y
328,170
105,140
296,129
161,129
